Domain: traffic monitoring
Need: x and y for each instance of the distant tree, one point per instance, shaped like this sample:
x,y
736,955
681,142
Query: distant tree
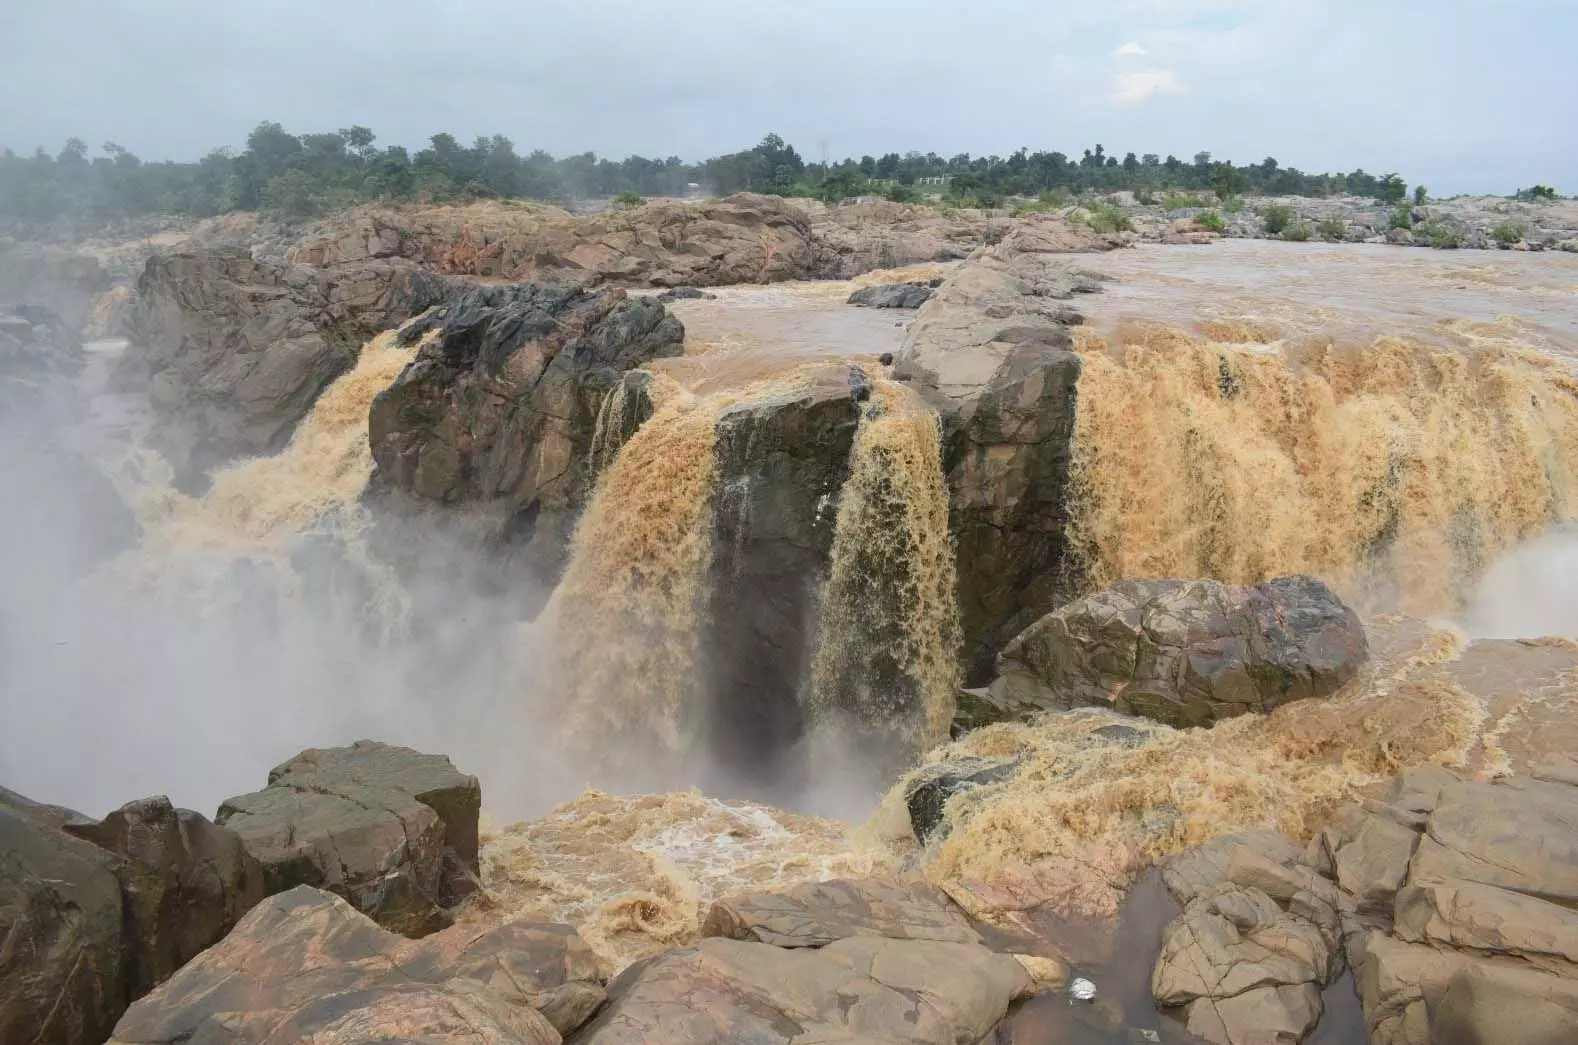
x,y
1421,194
1392,189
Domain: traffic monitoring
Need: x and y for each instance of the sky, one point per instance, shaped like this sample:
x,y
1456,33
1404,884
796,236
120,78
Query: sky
x,y
1465,96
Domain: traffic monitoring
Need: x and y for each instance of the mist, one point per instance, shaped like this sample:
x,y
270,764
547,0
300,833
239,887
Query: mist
x,y
1530,593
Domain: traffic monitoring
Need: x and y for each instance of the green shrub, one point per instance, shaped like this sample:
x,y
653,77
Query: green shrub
x,y
1508,233
1145,197
1110,219
1402,217
897,193
1210,220
1539,192
1234,205
1298,232
1421,193
1333,230
1441,237
1277,218
1178,201
629,199
1035,207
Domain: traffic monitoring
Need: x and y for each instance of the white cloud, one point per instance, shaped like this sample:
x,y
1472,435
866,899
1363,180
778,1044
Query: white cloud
x,y
1134,88
1130,50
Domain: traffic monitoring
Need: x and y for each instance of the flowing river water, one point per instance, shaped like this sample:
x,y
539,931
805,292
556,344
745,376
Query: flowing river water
x,y
1401,423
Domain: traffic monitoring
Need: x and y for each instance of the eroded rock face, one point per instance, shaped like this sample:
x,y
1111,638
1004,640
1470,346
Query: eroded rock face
x,y
305,966
866,989
61,957
60,280
390,829
497,414
991,352
40,356
184,883
743,239
1187,653
236,350
779,465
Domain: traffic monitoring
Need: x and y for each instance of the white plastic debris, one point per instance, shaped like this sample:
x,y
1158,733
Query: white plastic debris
x,y
1081,989
1150,1035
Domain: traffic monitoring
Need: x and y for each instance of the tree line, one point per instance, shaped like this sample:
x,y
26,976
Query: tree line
x,y
299,176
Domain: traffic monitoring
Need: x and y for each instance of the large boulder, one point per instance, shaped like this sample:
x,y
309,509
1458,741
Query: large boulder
x,y
184,883
492,425
892,295
305,966
991,352
859,989
392,830
61,949
40,356
1187,653
236,350
742,239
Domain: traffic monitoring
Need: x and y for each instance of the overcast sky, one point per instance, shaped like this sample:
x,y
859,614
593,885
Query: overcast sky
x,y
1466,95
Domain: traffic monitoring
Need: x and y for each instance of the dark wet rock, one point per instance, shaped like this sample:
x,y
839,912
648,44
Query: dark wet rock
x,y
60,280
1187,653
817,913
685,294
866,989
491,427
61,947
40,357
931,787
305,966
779,467
237,350
390,829
184,883
892,295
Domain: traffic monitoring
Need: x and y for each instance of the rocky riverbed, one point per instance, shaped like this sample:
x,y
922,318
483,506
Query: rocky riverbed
x,y
1024,661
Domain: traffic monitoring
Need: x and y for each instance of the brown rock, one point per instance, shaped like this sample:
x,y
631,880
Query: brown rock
x,y
237,350
61,960
1234,941
892,991
817,913
492,424
1485,919
1187,653
184,883
304,966
1518,834
357,822
1280,1015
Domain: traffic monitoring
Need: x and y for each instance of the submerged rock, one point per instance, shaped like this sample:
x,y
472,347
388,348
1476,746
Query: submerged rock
x,y
930,787
492,425
390,829
892,295
685,294
237,350
1187,653
305,966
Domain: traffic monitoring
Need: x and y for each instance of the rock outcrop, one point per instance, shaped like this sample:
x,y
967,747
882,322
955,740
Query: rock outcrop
x,y
61,281
496,416
111,314
991,352
778,465
742,239
39,357
61,948
391,830
1187,653
305,966
863,235
818,913
237,350
1451,901
857,989
893,295
184,883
